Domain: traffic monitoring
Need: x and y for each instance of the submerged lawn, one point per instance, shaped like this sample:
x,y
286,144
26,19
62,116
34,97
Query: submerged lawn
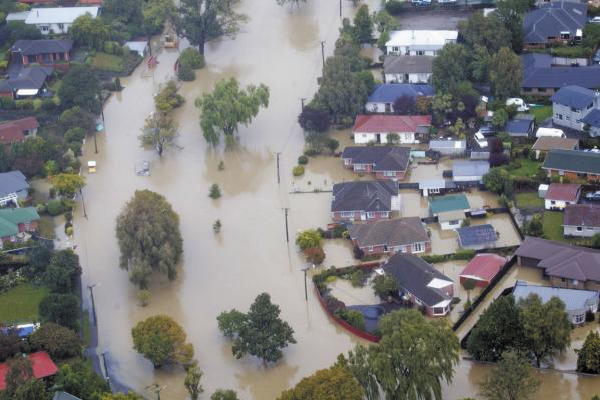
x,y
20,304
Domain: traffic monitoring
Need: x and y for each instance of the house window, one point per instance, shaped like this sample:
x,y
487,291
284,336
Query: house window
x,y
563,279
420,53
44,28
360,167
347,214
575,282
527,89
403,249
370,215
576,110
61,26
389,173
578,319
370,249
439,310
579,228
542,90
455,222
567,118
590,229
388,107
552,202
565,35
417,247
395,49
434,190
559,116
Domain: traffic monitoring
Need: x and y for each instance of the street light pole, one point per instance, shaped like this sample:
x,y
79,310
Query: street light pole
x,y
82,201
105,367
302,100
323,52
340,8
91,288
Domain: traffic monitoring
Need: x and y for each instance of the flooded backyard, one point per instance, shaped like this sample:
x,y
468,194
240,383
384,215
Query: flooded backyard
x,y
279,47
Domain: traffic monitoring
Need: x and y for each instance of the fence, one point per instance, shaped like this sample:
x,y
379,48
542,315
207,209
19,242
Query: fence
x,y
568,61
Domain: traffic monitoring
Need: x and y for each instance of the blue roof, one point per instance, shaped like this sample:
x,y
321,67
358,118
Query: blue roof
x,y
519,127
538,72
476,235
574,96
574,299
593,118
389,92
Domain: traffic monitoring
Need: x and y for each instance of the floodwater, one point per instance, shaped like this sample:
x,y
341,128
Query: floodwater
x,y
279,47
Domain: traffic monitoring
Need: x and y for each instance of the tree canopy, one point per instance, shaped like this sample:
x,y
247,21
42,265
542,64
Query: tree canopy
x,y
149,237
90,31
80,87
506,73
512,379
159,132
62,309
335,383
385,286
167,99
60,342
450,67
488,32
79,379
20,370
588,357
33,389
68,184
62,271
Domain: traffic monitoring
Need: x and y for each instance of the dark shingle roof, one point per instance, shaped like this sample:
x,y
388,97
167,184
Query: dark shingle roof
x,y
363,196
389,92
414,275
573,160
519,127
42,46
408,64
574,96
384,158
476,235
12,182
538,72
28,78
552,19
396,232
582,215
593,118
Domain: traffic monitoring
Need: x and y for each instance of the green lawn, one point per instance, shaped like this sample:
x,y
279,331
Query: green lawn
x,y
46,226
528,168
552,225
20,304
107,61
541,113
529,200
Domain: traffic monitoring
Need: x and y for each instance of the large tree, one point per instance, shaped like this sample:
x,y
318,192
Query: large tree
x,y
68,184
546,325
156,13
228,106
506,73
224,394
412,359
20,370
260,332
588,357
79,379
450,68
512,379
488,32
162,341
149,237
159,132
335,383
385,286
62,309
33,389
62,271
192,381
89,31
58,341
363,25
204,20
80,87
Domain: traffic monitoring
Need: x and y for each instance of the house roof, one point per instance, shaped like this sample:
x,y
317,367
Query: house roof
x,y
538,72
384,158
470,168
64,396
408,64
55,15
417,277
12,182
421,38
483,267
574,299
12,131
450,202
574,96
42,366
519,126
363,196
592,118
396,232
573,160
563,192
436,184
476,235
389,92
17,16
378,123
10,218
547,143
582,215
453,215
28,78
562,259
447,144
42,46
552,19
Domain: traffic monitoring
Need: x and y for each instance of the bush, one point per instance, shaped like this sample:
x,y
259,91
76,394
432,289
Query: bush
x,y
58,341
435,258
214,192
463,255
315,255
6,103
353,317
26,104
298,170
55,207
185,73
48,104
308,238
358,278
333,304
394,7
302,160
311,152
191,58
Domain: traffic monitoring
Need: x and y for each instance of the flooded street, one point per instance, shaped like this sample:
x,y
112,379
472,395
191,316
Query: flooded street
x,y
279,47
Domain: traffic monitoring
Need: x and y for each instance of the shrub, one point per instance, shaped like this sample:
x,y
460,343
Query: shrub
x,y
353,317
315,255
298,170
302,160
358,278
358,253
58,341
7,103
463,255
55,207
311,152
185,73
393,7
333,304
309,238
26,104
48,104
435,258
191,58
214,192
385,286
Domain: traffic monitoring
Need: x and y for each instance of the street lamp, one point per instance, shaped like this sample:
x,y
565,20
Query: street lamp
x,y
91,288
105,367
308,266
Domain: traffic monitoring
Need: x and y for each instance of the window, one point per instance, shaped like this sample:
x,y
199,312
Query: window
x,y
527,89
347,214
395,48
559,116
44,28
579,228
567,118
434,190
420,53
370,215
360,166
542,90
575,109
563,280
455,222
575,282
61,26
370,249
578,319
590,105
565,35
389,173
417,247
403,249
388,107
589,229
552,202
439,310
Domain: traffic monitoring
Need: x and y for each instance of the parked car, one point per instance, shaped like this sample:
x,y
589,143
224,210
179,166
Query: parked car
x,y
595,20
596,58
520,103
594,196
550,132
487,130
480,139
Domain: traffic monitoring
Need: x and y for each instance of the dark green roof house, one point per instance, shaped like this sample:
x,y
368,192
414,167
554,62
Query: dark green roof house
x,y
573,164
14,222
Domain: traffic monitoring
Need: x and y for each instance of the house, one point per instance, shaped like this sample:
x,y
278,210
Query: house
x,y
142,47
482,268
450,210
17,16
18,130
375,128
41,364
364,200
408,69
546,143
13,186
520,126
404,235
64,396
386,162
421,283
542,78
559,195
571,104
58,19
15,222
384,95
419,42
469,171
581,220
30,81
47,52
477,237
553,23
435,186
573,164
592,122
563,264
448,147
577,301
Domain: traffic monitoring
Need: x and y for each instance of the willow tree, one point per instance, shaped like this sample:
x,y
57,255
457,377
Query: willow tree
x,y
149,237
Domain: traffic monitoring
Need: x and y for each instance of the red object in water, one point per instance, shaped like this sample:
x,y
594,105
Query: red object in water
x,y
42,365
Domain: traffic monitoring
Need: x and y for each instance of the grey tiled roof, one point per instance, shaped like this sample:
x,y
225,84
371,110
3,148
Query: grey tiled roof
x,y
573,160
384,158
476,235
587,215
28,78
389,92
408,64
363,196
538,72
42,46
551,19
12,182
574,96
593,118
396,232
519,127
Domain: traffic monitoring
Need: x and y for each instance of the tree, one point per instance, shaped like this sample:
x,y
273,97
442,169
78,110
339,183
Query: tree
x,y
68,184
480,64
488,32
494,180
499,328
222,394
191,58
547,326
121,396
313,120
192,381
450,67
80,87
512,379
363,25
506,73
39,258
20,370
20,30
149,237
500,118
228,106
89,31
162,341
335,383
159,132
534,227
596,241
260,332
33,389
396,368
155,13
62,271
167,99
588,357
469,284
80,380
385,286
308,238
9,343
58,341
332,145
62,309
75,117
204,20
405,105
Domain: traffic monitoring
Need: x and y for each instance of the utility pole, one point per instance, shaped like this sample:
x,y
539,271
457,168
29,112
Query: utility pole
x,y
323,52
82,201
340,8
278,175
287,235
156,389
302,100
105,367
305,289
91,287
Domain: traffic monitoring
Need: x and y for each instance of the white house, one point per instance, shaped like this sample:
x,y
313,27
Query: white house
x,y
58,19
559,195
408,69
375,128
419,42
571,104
581,220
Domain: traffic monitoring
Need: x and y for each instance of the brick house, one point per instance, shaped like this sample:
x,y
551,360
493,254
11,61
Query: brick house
x,y
47,52
28,82
573,164
15,222
17,131
364,201
404,235
386,162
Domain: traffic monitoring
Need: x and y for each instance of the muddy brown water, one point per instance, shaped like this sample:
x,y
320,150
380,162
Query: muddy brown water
x,y
279,47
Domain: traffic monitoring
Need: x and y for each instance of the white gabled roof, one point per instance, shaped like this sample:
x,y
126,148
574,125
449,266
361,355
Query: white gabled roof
x,y
421,37
17,16
438,283
59,15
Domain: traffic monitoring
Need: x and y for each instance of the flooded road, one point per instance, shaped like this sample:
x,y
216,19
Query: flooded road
x,y
279,47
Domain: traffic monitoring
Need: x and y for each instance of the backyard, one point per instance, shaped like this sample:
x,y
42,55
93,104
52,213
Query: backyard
x,y
20,304
528,201
541,113
528,168
552,225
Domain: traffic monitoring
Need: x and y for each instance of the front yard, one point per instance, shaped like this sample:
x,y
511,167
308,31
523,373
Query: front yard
x,y
20,304
107,62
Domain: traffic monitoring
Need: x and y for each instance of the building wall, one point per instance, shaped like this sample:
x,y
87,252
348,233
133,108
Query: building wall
x,y
448,151
360,216
566,116
585,231
47,29
408,78
557,204
379,107
52,58
478,283
594,131
472,178
413,50
566,283
391,175
381,137
573,175
449,226
538,91
381,249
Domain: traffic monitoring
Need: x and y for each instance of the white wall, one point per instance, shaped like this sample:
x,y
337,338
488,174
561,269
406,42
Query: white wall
x,y
395,203
379,107
413,50
467,178
585,231
565,116
53,28
446,226
554,204
364,138
412,78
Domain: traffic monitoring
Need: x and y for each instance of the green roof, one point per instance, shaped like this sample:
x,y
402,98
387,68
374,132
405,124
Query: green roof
x,y
10,218
448,203
573,160
7,228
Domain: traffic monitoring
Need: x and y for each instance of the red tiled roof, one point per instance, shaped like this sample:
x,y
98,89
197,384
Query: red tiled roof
x,y
390,123
12,131
483,266
42,365
563,191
